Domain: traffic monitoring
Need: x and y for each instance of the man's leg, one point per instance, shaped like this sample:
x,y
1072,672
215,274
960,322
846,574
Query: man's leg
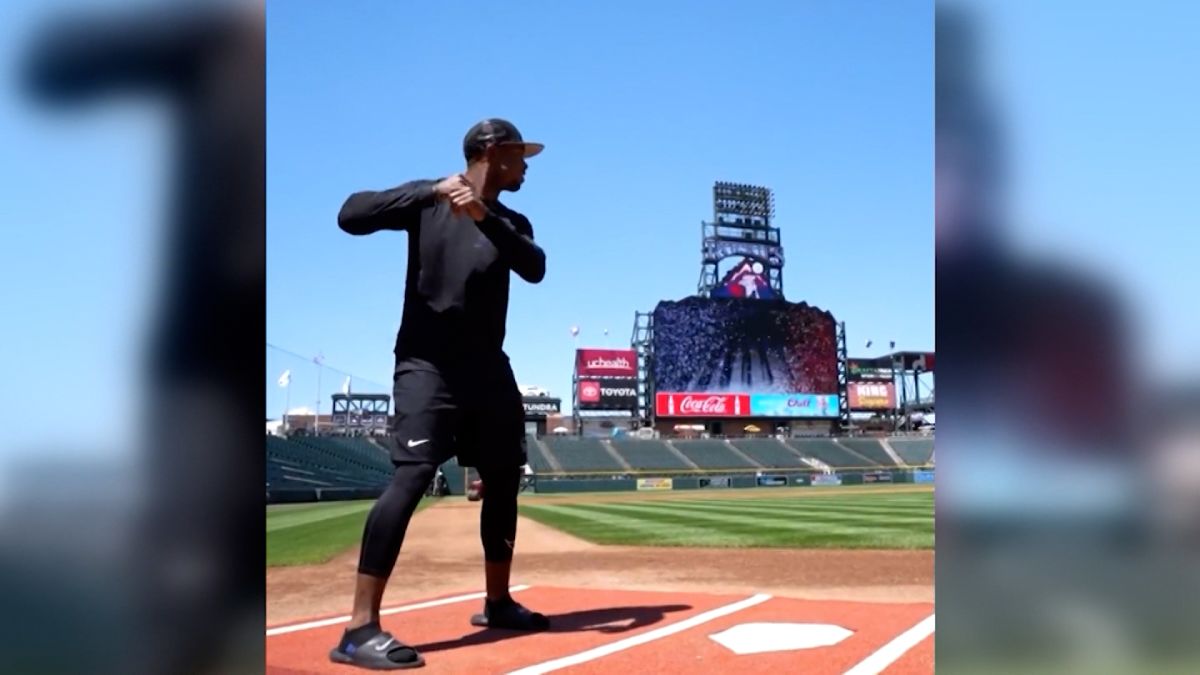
x,y
364,643
498,528
498,532
383,535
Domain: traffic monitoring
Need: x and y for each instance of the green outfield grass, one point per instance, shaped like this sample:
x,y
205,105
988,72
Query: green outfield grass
x,y
851,519
304,534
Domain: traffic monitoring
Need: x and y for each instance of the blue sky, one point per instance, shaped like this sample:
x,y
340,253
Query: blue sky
x,y
828,103
642,107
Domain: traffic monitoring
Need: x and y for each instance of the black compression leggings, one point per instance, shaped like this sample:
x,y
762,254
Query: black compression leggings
x,y
388,520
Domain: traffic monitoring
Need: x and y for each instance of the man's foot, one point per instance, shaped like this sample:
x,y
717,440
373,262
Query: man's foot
x,y
475,491
510,614
373,648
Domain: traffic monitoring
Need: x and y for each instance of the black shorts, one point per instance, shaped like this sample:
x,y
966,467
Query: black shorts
x,y
472,412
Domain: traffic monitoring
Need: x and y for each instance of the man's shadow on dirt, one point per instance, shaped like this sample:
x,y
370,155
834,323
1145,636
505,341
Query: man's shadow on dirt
x,y
608,620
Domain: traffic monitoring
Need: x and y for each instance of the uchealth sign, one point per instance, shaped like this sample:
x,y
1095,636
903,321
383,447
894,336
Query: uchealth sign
x,y
871,395
606,363
701,405
612,394
794,405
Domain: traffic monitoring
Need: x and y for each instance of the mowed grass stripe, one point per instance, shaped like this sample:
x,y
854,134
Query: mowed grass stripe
x,y
316,541
804,506
819,515
807,504
599,528
602,523
604,528
279,521
739,518
883,511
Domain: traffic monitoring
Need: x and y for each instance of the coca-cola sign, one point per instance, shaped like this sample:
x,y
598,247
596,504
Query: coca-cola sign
x,y
606,362
701,405
609,394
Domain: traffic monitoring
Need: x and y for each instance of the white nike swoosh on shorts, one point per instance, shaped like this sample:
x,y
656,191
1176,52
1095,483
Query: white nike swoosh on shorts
x,y
413,444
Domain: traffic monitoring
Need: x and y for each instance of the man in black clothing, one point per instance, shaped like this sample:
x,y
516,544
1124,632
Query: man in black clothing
x,y
454,389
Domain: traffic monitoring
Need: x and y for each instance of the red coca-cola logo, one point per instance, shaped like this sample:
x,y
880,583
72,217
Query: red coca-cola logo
x,y
708,405
702,405
589,392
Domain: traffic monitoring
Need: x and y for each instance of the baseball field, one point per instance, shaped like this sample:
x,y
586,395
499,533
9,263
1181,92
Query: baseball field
x,y
861,517
826,579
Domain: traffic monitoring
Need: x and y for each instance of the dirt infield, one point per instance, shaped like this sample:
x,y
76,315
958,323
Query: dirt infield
x,y
442,556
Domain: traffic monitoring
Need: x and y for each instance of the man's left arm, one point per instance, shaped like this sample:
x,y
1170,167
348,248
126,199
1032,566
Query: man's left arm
x,y
512,236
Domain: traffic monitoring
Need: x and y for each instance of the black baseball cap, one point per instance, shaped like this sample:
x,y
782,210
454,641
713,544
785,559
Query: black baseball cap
x,y
496,131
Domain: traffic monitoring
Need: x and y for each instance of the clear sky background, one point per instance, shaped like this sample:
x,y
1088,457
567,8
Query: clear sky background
x,y
642,106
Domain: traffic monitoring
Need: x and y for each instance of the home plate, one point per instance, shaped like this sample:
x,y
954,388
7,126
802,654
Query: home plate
x,y
759,638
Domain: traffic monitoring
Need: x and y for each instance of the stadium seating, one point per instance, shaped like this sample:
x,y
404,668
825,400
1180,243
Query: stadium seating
x,y
769,452
827,451
325,462
871,449
647,454
914,451
582,454
709,454
455,477
537,456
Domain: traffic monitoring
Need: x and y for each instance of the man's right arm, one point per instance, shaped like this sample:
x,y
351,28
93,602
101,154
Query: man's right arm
x,y
396,209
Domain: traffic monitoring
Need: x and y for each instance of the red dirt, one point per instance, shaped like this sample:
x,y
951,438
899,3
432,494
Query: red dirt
x,y
872,628
584,620
442,556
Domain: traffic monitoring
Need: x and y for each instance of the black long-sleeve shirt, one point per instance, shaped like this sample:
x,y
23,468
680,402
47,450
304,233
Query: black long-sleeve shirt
x,y
456,288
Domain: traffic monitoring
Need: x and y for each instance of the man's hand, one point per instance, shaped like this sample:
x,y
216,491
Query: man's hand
x,y
462,196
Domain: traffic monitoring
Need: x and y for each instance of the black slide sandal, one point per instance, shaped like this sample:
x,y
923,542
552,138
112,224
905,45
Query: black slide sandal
x,y
510,615
373,654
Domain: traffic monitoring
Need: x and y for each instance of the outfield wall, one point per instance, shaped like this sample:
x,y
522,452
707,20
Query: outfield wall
x,y
670,481
297,495
648,482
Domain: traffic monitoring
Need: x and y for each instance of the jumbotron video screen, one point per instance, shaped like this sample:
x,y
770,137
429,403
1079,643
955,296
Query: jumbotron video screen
x,y
781,355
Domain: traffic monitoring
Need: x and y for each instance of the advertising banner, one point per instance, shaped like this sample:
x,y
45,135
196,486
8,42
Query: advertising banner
x,y
868,369
826,479
772,481
871,395
612,394
877,477
922,475
728,345
539,406
654,484
669,404
722,482
794,405
606,363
